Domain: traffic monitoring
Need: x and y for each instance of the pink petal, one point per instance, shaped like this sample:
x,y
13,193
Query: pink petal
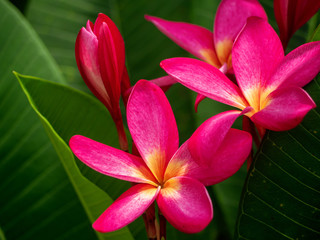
x,y
217,151
110,161
229,157
199,99
285,108
255,54
186,204
204,79
291,15
298,68
152,126
115,33
164,82
195,39
127,208
230,18
226,161
111,61
205,141
87,60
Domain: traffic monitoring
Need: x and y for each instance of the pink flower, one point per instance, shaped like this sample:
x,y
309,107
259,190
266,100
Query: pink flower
x,y
100,57
174,177
292,14
213,48
269,83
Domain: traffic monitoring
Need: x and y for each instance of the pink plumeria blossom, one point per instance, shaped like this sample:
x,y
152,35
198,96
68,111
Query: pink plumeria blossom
x,y
213,48
174,177
269,83
100,56
292,14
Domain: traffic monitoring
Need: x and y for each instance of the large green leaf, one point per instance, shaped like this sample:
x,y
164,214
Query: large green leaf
x,y
281,194
283,185
65,112
37,201
82,115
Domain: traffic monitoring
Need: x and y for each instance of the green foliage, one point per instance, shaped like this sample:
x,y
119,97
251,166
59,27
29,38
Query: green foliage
x,y
65,112
44,196
37,199
281,195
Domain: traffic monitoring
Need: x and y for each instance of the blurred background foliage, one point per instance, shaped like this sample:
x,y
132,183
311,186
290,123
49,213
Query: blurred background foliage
x,y
43,197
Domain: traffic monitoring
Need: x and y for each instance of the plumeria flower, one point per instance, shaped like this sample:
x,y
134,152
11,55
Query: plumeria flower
x,y
292,14
269,83
100,56
174,177
213,48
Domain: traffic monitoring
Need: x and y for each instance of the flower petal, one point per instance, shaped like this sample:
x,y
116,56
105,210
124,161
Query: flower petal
x,y
212,166
87,60
127,208
164,82
204,79
205,141
110,161
194,39
152,126
255,54
285,108
186,204
111,61
298,68
199,99
230,18
229,157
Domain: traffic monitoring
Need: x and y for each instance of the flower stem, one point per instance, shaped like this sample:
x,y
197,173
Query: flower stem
x,y
121,134
150,221
163,226
249,126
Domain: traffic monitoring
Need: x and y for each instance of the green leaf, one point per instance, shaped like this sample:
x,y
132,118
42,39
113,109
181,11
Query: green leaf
x,y
281,196
316,35
37,200
65,112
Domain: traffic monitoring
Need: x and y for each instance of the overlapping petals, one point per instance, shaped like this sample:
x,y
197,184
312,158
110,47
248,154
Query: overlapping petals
x,y
188,199
213,48
213,153
270,82
230,18
175,177
195,39
128,207
100,58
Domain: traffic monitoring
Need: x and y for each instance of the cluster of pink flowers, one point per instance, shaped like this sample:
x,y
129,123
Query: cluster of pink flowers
x,y
243,65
